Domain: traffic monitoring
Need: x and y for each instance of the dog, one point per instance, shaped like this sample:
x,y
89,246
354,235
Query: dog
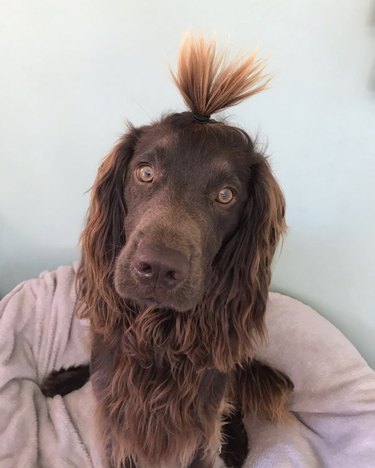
x,y
184,220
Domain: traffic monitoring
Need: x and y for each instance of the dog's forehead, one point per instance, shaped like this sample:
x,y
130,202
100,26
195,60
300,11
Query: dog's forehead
x,y
193,150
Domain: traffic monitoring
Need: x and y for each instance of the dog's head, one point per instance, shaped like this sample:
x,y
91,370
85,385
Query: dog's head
x,y
186,187
185,211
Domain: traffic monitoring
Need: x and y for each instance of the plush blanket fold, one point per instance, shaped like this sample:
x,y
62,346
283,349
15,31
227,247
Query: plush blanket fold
x,y
333,405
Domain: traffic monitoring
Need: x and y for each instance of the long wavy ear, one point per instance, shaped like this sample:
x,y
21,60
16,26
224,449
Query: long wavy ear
x,y
103,237
242,269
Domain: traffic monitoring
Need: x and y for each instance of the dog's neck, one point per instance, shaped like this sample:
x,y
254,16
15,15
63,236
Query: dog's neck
x,y
208,339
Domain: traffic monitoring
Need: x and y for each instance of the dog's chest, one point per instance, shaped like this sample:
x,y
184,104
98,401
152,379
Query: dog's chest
x,y
166,389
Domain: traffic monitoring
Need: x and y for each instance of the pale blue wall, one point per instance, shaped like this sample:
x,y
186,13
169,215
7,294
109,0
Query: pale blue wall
x,y
72,72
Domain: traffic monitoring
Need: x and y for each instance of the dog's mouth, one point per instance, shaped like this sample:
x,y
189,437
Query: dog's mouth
x,y
155,298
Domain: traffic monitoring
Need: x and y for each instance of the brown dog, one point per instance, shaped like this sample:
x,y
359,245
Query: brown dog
x,y
184,220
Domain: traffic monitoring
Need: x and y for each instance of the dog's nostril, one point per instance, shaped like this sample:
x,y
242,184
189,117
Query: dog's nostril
x,y
144,268
171,278
171,275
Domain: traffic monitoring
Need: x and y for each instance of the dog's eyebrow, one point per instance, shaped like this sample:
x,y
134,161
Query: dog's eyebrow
x,y
223,171
152,155
154,147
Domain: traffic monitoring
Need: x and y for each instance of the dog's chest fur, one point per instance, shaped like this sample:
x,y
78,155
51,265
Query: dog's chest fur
x,y
156,408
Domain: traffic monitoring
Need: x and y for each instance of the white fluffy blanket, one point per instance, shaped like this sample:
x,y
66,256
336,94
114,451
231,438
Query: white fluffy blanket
x,y
333,403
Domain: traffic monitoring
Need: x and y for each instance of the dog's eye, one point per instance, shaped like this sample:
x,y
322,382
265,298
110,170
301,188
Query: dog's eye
x,y
225,196
145,173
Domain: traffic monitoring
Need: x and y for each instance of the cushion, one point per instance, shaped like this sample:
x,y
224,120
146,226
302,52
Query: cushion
x,y
333,405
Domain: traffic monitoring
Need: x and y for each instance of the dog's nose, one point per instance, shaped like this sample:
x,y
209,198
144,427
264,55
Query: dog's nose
x,y
160,266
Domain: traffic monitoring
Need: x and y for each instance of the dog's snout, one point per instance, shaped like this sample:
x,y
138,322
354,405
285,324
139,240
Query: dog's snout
x,y
160,267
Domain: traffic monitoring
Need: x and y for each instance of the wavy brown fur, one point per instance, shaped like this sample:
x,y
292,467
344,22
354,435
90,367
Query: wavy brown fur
x,y
262,391
210,82
161,377
102,240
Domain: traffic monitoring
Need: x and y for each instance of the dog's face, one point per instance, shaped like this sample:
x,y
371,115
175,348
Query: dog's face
x,y
185,191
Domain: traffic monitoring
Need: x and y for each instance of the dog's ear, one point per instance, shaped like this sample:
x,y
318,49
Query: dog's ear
x,y
104,236
242,269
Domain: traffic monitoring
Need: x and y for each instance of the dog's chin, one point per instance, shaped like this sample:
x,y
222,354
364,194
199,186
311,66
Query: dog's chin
x,y
153,303
153,299
145,303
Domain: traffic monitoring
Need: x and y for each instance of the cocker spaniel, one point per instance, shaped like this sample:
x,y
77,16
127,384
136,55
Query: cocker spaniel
x,y
184,220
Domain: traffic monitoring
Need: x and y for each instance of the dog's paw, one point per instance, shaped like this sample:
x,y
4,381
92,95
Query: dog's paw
x,y
65,381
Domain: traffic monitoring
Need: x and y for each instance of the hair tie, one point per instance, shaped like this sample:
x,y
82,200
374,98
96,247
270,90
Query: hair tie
x,y
201,118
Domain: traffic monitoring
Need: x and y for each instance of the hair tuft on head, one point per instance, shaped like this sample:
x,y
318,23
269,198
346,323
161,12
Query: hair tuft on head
x,y
209,82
